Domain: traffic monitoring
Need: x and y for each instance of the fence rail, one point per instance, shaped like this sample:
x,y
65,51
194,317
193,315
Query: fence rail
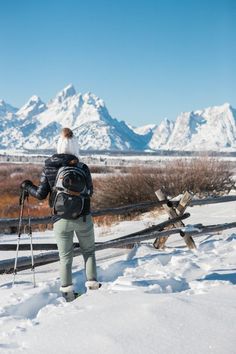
x,y
10,222
158,227
7,266
154,232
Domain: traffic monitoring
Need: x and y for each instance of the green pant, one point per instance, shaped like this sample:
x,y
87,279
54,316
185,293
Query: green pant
x,y
64,232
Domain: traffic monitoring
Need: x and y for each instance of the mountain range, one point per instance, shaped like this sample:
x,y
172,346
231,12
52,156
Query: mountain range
x,y
36,126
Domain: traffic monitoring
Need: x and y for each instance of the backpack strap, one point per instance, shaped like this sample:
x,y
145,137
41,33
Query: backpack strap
x,y
70,192
80,164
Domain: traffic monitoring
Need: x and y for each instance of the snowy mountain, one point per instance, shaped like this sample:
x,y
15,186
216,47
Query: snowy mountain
x,y
156,135
9,124
161,135
6,109
37,125
145,129
213,128
32,108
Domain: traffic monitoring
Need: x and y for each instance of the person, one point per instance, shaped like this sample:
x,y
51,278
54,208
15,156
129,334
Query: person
x,y
64,229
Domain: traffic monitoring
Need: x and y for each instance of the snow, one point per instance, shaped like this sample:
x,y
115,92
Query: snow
x,y
6,108
172,301
32,108
161,135
38,125
213,128
145,129
68,91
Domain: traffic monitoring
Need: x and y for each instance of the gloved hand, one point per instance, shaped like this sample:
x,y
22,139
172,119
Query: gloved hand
x,y
25,184
24,190
23,194
90,191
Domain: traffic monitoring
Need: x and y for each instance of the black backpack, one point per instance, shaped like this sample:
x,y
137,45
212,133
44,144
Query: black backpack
x,y
69,192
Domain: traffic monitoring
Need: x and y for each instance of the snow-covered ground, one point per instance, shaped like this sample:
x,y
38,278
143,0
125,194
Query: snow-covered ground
x,y
111,160
173,301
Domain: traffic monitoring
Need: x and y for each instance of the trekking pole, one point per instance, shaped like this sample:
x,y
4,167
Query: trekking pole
x,y
31,243
22,204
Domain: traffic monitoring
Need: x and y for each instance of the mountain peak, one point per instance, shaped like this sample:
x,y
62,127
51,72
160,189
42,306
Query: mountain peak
x,y
35,98
92,99
33,101
223,107
6,108
166,121
68,91
32,107
227,106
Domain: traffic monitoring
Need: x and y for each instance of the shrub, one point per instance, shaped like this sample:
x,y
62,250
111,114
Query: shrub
x,y
101,169
11,176
202,176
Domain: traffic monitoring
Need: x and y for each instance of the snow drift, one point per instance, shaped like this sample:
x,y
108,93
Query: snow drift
x,y
172,301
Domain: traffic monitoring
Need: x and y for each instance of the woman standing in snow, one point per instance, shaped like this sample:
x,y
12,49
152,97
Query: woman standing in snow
x,y
64,228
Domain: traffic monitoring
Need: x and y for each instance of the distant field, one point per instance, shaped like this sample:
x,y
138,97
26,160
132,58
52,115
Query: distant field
x,y
119,158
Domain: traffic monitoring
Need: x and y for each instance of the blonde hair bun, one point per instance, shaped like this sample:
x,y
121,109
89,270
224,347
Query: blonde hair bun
x,y
67,133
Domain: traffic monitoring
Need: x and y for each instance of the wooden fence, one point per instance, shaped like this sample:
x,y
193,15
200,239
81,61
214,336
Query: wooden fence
x,y
118,211
7,266
154,232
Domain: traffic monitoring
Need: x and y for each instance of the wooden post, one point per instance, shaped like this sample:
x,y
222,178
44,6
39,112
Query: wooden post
x,y
184,202
159,243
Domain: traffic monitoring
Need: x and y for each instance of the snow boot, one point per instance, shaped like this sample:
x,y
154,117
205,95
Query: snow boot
x,y
68,293
92,285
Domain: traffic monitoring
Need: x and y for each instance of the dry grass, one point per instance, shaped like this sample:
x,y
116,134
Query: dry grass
x,y
109,220
101,169
11,176
203,176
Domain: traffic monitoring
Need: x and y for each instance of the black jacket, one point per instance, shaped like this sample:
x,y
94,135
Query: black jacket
x,y
49,174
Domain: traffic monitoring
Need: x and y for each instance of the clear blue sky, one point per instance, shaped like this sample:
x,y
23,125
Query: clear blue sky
x,y
148,59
